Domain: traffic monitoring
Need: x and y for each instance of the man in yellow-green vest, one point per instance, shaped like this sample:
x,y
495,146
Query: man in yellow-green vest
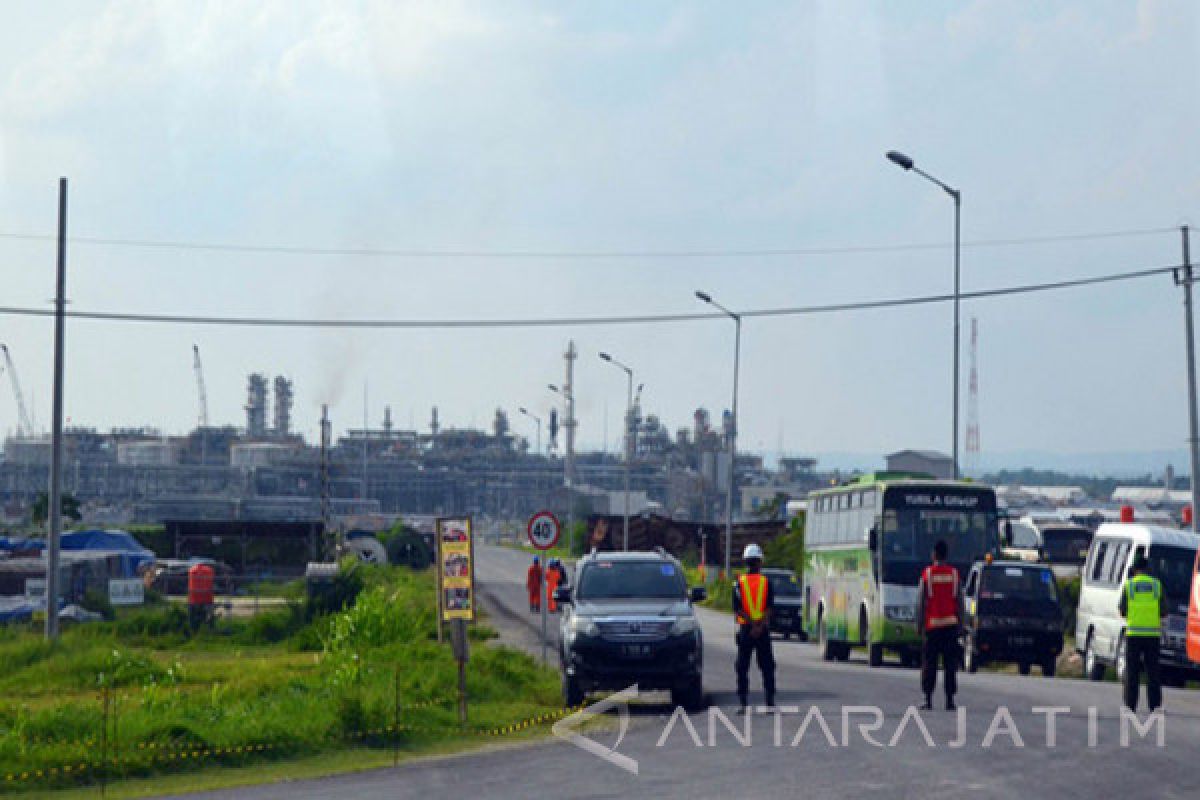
x,y
1143,607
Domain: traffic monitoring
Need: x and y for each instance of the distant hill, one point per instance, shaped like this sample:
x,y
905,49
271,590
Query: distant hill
x,y
1128,465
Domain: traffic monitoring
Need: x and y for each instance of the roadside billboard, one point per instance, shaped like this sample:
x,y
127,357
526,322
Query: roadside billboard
x,y
456,569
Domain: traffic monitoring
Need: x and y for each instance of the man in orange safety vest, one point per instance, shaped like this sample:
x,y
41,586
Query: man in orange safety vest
x,y
752,602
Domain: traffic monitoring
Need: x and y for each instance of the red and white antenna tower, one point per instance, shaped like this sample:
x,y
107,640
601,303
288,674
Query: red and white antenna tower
x,y
973,403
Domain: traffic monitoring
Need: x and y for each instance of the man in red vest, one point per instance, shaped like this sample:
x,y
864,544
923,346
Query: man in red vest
x,y
940,614
752,602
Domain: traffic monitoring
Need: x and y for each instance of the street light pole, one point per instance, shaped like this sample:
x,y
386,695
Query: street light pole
x,y
737,356
906,163
628,438
567,393
538,420
537,482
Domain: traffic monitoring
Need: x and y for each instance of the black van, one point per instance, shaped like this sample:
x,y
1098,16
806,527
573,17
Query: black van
x,y
1013,615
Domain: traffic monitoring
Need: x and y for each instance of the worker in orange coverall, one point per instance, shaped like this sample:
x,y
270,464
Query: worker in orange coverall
x,y
533,584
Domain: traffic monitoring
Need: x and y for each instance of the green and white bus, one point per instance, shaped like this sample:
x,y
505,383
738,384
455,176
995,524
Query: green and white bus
x,y
867,543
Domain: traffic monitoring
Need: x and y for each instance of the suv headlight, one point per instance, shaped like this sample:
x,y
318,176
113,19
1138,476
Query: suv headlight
x,y
582,625
900,613
683,625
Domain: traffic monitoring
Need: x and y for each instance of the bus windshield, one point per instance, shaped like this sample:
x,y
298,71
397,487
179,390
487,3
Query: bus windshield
x,y
909,536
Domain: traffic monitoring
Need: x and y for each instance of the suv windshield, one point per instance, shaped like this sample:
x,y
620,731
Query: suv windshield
x,y
632,579
1004,587
783,585
1066,545
1173,566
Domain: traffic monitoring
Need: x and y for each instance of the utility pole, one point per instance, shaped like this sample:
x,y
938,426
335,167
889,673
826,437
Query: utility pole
x,y
1184,277
54,512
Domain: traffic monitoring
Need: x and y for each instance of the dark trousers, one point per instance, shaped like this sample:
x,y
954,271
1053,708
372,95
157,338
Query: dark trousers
x,y
941,642
1141,652
760,646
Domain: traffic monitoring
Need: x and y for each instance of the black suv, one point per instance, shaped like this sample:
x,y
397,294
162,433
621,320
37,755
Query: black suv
x,y
787,615
1012,614
628,619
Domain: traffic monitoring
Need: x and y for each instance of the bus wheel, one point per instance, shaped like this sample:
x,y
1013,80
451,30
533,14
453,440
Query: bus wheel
x,y
875,655
823,643
874,650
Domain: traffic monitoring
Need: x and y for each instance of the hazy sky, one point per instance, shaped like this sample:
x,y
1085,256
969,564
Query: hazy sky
x,y
620,126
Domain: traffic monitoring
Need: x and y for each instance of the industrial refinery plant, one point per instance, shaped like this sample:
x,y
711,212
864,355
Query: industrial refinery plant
x,y
264,470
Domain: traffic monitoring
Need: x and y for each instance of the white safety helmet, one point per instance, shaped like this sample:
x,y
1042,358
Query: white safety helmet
x,y
752,551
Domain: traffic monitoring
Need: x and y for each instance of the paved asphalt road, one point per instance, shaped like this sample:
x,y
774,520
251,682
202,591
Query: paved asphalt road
x,y
813,767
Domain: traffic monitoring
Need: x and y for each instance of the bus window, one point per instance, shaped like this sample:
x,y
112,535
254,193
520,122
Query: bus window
x,y
843,517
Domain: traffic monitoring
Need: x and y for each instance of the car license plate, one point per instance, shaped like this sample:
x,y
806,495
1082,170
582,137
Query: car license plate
x,y
1020,641
635,650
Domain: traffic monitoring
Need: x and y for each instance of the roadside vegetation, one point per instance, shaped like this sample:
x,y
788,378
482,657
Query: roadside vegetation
x,y
357,668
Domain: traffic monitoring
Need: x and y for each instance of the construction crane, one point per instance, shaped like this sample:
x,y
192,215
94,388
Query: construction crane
x,y
201,394
24,423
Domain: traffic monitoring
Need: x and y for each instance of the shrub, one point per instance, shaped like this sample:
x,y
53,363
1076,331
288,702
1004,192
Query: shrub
x,y
1068,595
159,621
788,550
96,600
337,594
269,627
350,711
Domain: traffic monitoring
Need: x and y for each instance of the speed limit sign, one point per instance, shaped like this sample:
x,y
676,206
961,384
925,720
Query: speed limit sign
x,y
543,530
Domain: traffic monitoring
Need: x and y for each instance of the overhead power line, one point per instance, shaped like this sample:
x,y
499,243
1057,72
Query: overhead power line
x,y
560,322
276,249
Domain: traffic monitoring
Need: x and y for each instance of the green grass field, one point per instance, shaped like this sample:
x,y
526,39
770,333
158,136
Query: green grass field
x,y
142,696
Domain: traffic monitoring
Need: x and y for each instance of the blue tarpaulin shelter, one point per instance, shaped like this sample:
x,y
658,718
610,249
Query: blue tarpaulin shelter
x,y
21,545
134,557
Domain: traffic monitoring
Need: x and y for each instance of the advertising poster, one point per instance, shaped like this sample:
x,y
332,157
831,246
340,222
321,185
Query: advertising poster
x,y
456,568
